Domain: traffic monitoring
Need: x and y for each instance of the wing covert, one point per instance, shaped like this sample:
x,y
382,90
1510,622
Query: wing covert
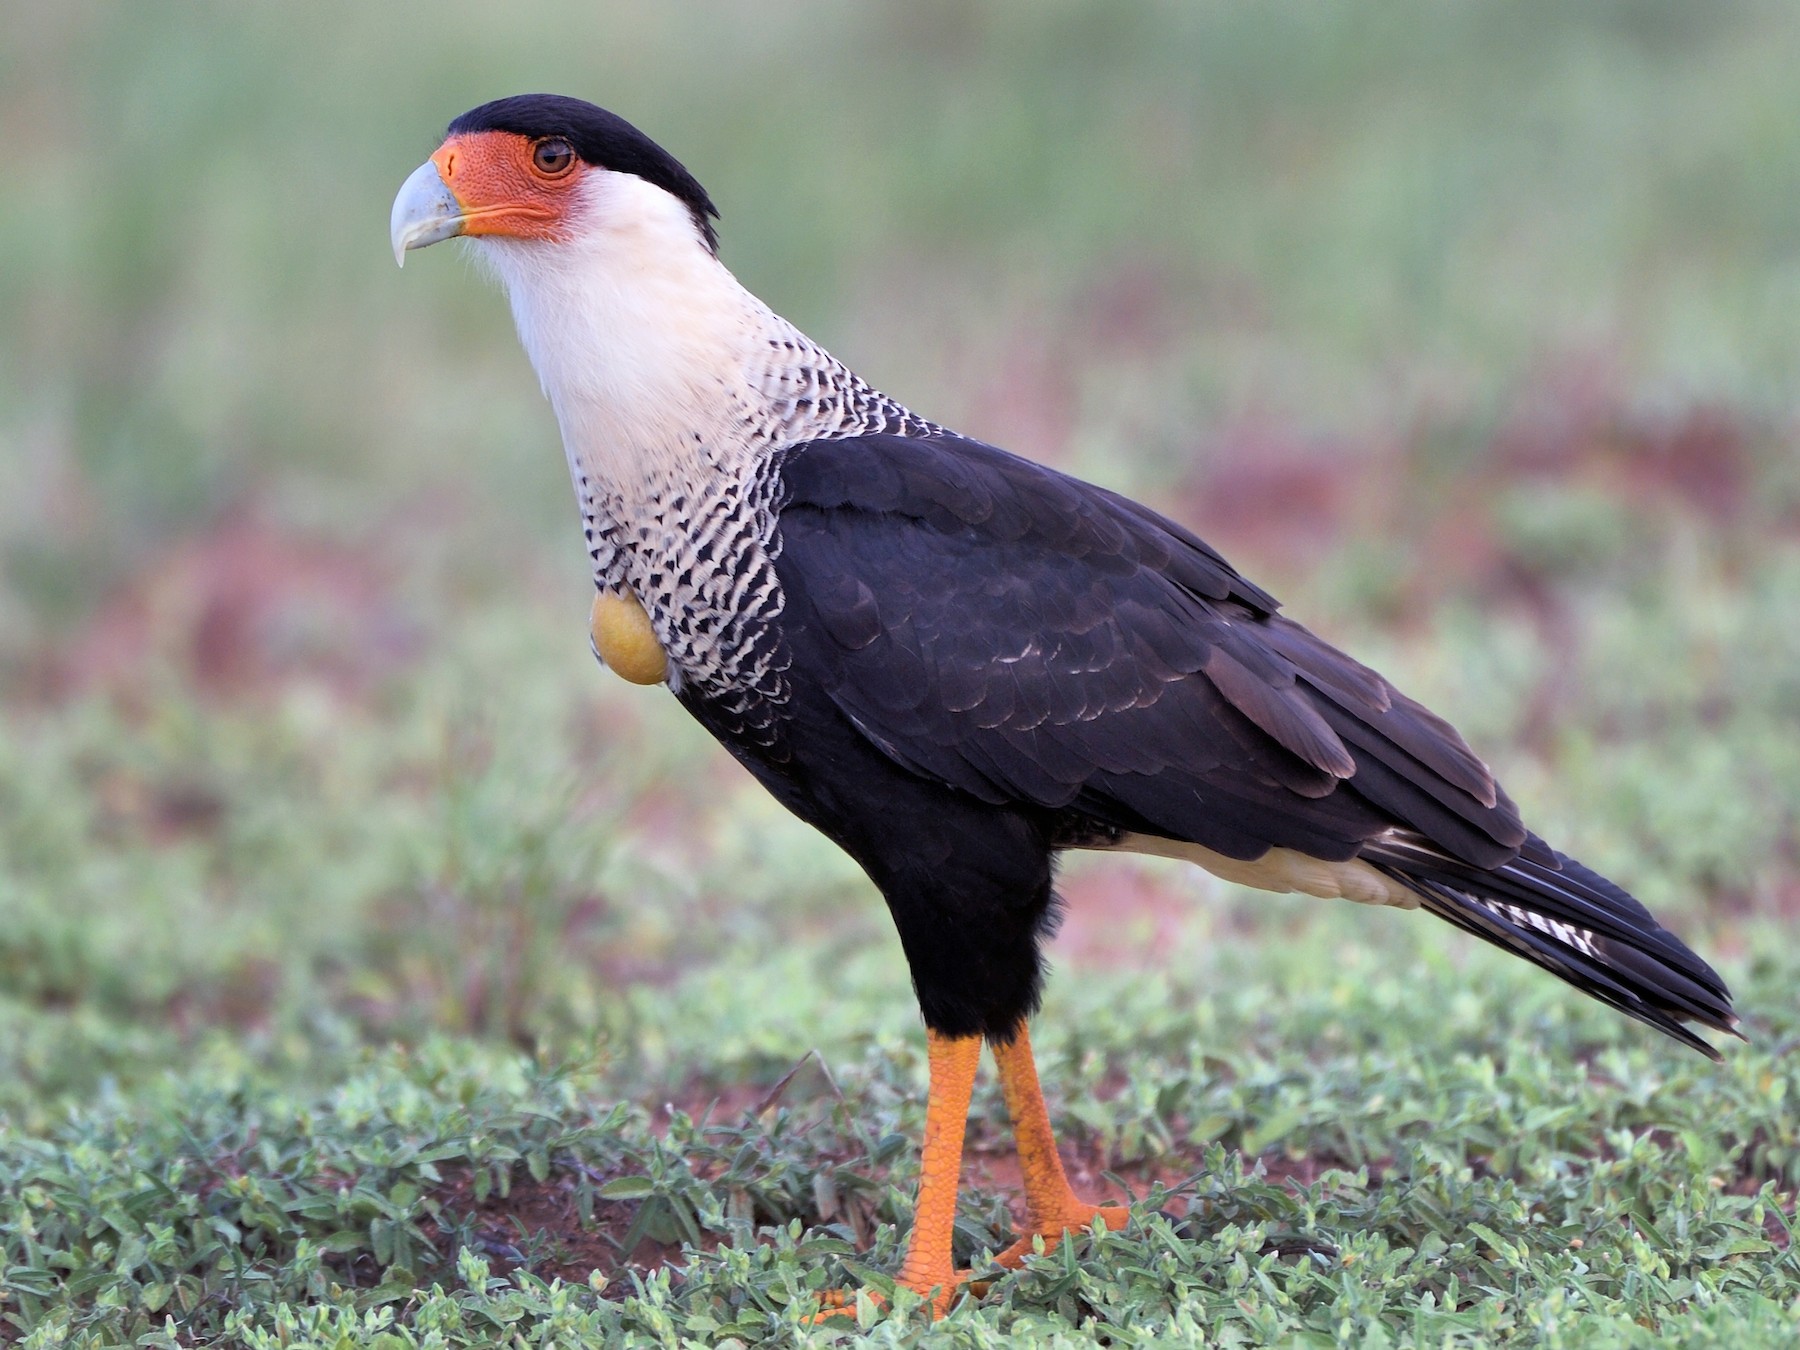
x,y
1019,634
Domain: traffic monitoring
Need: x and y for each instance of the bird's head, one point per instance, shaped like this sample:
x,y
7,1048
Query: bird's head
x,y
542,169
605,246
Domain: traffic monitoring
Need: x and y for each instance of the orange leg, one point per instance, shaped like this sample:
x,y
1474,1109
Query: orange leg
x,y
928,1269
1051,1205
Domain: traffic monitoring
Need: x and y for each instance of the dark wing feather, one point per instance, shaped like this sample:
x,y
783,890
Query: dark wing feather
x,y
1021,635
1556,913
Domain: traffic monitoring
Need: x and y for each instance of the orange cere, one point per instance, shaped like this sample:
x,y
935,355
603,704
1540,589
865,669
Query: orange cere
x,y
500,188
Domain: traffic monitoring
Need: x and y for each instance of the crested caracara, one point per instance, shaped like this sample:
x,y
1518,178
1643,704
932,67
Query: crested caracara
x,y
957,663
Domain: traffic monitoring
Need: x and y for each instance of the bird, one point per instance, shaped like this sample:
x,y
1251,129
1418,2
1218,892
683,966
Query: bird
x,y
959,664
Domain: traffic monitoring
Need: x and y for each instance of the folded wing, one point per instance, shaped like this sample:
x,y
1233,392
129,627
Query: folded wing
x,y
1022,635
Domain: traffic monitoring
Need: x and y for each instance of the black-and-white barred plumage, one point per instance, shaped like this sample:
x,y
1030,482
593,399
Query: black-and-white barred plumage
x,y
698,550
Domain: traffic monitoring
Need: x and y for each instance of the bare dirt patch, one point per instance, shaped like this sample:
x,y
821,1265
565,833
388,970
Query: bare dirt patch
x,y
537,1225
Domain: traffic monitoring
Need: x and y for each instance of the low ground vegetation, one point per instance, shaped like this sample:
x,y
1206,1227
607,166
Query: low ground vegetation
x,y
373,972
437,1020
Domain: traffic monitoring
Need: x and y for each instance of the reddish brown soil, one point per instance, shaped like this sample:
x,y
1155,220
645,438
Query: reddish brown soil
x,y
1120,916
538,1223
238,610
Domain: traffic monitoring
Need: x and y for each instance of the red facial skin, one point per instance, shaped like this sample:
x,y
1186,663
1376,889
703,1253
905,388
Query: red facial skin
x,y
511,185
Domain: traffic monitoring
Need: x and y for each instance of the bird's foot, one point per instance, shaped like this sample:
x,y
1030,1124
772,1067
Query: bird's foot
x,y
1076,1216
942,1292
939,1293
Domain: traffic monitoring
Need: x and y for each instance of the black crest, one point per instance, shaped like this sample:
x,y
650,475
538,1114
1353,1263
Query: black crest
x,y
601,138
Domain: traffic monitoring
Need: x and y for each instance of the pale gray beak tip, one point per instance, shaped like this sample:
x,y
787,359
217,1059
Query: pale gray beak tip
x,y
425,212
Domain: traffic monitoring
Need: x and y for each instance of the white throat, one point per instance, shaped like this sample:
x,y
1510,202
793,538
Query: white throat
x,y
640,337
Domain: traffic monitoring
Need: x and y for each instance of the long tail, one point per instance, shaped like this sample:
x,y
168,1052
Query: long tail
x,y
1573,922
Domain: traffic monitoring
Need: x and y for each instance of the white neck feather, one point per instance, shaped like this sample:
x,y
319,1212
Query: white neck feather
x,y
643,341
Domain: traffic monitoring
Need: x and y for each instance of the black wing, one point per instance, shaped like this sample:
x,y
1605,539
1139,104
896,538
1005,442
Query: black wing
x,y
1030,638
1024,636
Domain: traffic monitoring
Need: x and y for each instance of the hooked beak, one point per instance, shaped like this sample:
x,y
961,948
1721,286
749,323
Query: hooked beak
x,y
425,212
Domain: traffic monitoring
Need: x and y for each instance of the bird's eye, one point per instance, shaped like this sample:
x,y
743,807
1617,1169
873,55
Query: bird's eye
x,y
553,157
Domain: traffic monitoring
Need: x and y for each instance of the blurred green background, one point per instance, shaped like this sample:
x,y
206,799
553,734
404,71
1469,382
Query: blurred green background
x,y
1469,329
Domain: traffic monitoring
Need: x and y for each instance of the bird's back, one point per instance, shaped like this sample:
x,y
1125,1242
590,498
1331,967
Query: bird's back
x,y
1021,638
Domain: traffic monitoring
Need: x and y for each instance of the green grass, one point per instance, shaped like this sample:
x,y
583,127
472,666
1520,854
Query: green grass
x,y
384,1041
1389,1154
373,971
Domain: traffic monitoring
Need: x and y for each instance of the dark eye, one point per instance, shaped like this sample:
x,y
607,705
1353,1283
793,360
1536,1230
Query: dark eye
x,y
553,156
